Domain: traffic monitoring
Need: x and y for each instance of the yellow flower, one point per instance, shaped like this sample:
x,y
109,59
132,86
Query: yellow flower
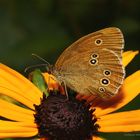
x,y
20,122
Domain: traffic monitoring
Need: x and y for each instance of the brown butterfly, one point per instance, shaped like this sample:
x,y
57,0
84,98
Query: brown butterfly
x,y
93,64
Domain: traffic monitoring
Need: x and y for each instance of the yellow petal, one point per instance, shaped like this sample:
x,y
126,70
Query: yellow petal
x,y
128,56
21,124
13,115
129,90
49,78
120,128
51,81
117,119
126,53
97,138
14,112
14,129
15,95
11,106
18,134
10,129
18,83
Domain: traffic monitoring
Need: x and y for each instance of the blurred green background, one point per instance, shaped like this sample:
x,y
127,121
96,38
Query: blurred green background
x,y
47,27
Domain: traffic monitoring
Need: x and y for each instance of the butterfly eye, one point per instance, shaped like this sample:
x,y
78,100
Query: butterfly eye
x,y
101,89
95,55
105,82
107,72
98,42
93,61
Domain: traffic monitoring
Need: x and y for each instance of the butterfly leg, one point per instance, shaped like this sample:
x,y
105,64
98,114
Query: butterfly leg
x,y
65,90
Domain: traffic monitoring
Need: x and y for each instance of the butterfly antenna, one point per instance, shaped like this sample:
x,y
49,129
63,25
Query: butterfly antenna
x,y
38,65
34,66
40,58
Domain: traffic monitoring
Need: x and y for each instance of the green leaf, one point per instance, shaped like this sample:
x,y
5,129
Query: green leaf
x,y
38,79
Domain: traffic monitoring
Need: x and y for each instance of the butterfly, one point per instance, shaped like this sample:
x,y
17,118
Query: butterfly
x,y
93,64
